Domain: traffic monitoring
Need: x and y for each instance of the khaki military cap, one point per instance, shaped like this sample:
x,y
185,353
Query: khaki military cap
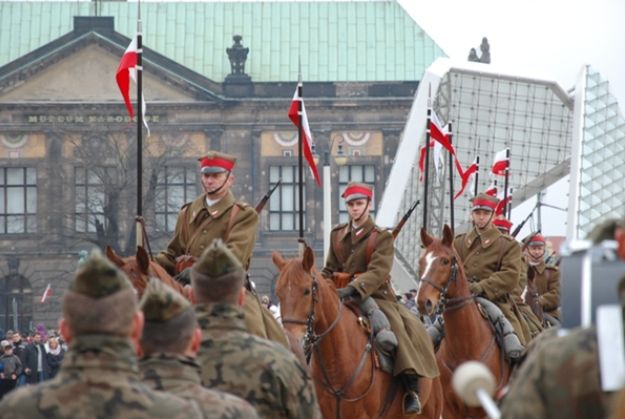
x,y
484,201
357,190
160,303
97,277
216,162
217,261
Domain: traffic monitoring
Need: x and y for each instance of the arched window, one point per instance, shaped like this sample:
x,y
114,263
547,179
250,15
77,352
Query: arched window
x,y
16,302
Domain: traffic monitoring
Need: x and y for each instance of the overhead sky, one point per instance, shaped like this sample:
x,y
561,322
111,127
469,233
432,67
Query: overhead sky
x,y
550,39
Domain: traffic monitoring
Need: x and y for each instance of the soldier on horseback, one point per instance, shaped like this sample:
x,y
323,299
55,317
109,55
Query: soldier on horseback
x,y
492,264
359,263
217,214
543,279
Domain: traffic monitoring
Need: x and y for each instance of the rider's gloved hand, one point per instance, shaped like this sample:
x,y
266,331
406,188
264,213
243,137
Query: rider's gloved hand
x,y
475,288
184,277
346,292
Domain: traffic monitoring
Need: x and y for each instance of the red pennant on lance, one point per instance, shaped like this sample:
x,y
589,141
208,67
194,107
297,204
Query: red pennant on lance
x,y
126,71
492,190
502,204
422,160
307,140
465,177
500,163
439,134
46,294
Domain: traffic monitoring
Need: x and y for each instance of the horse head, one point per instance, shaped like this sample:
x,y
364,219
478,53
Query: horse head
x,y
296,290
438,271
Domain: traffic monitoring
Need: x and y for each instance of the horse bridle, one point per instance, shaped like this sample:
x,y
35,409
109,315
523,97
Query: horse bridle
x,y
445,302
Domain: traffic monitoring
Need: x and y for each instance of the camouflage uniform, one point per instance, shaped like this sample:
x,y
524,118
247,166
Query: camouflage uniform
x,y
214,222
414,350
99,376
260,371
492,264
560,379
165,309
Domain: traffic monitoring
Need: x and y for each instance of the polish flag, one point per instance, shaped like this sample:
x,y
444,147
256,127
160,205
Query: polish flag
x,y
441,135
492,190
502,204
46,294
128,70
500,163
302,119
465,177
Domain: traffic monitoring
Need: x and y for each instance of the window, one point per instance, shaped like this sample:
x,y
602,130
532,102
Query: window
x,y
91,197
16,303
174,187
354,173
284,203
18,200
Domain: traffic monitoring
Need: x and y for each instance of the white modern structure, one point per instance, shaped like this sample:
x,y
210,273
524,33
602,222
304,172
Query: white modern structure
x,y
540,122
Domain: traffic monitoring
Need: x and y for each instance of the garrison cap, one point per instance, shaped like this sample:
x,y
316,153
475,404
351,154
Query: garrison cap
x,y
484,202
217,162
217,261
503,224
356,190
536,240
160,303
97,277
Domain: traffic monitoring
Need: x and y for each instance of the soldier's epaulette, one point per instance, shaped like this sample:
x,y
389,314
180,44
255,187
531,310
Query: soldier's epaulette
x,y
508,237
188,204
339,226
242,204
552,267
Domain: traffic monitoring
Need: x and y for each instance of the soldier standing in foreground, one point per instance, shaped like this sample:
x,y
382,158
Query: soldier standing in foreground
x,y
231,359
216,214
170,341
99,376
359,262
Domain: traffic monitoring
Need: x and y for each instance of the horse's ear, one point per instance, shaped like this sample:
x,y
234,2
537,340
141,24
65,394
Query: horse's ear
x,y
448,236
113,257
143,260
308,261
278,260
426,239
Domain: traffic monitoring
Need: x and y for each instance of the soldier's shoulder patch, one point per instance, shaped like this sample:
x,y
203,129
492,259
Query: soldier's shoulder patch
x,y
339,226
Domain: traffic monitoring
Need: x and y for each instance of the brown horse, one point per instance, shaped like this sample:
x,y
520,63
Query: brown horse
x,y
468,336
140,268
344,368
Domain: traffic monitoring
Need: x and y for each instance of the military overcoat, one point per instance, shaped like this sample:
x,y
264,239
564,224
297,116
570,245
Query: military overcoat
x,y
348,253
492,265
180,376
99,378
534,324
547,281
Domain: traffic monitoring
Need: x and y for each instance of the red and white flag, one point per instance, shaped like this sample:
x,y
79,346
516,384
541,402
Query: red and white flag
x,y
465,177
502,204
307,136
492,190
128,70
46,294
500,163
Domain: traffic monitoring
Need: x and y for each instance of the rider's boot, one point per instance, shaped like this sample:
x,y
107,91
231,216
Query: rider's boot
x,y
437,330
512,346
385,339
411,402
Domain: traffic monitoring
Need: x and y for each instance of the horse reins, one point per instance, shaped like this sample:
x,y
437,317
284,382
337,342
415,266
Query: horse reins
x,y
446,303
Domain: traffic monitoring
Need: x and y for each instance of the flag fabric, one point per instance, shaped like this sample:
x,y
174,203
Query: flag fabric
x,y
465,177
500,163
46,294
126,71
307,136
502,204
422,159
491,190
440,134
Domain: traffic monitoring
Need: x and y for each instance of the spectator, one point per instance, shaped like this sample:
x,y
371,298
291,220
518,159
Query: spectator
x,y
36,365
55,356
19,349
12,368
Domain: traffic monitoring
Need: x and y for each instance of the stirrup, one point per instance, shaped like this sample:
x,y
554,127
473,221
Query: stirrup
x,y
412,403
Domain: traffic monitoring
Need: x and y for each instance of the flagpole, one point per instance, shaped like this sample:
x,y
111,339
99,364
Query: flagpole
x,y
300,148
451,180
477,174
139,227
510,206
505,190
427,169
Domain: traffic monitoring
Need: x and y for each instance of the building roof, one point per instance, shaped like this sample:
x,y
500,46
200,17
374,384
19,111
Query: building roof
x,y
366,40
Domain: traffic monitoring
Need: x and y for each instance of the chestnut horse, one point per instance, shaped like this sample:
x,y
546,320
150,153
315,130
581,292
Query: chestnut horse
x,y
140,268
468,335
343,365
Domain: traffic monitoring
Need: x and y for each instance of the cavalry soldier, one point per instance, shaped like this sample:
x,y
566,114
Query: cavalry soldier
x,y
359,262
543,279
216,214
170,341
492,264
231,359
99,376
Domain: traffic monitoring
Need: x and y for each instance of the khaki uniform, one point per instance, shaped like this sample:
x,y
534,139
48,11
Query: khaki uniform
x,y
257,370
559,379
414,349
99,378
547,282
492,265
180,376
533,322
196,228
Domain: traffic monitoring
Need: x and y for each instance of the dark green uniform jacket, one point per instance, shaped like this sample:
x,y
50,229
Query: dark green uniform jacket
x,y
99,378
